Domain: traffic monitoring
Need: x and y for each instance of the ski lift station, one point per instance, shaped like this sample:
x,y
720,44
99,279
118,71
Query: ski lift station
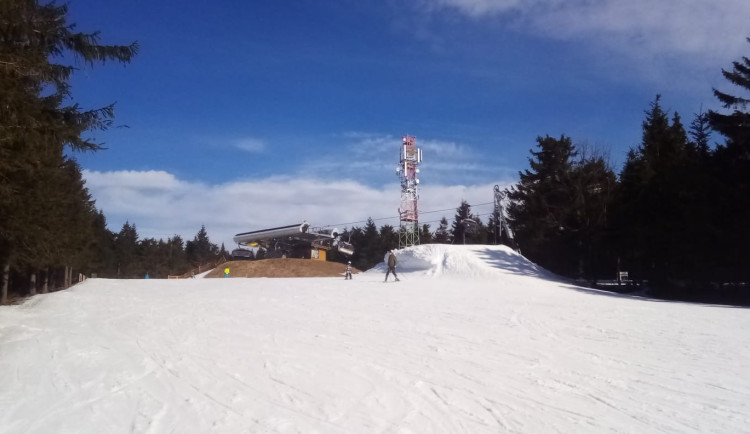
x,y
293,241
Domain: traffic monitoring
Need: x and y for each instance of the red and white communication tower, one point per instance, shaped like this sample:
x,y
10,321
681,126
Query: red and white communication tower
x,y
411,156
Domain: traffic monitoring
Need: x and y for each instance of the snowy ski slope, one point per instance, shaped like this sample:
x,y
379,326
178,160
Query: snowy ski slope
x,y
474,339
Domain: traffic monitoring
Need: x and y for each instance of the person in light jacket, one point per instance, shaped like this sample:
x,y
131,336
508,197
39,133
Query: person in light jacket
x,y
348,274
391,265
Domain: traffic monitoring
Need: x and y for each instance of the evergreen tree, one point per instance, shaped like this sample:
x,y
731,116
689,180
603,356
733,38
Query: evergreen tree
x,y
560,209
201,251
700,132
388,239
368,247
479,235
36,126
74,245
651,213
371,246
126,252
102,249
177,258
150,262
592,189
223,254
699,191
356,238
425,236
540,206
730,173
736,125
464,228
441,233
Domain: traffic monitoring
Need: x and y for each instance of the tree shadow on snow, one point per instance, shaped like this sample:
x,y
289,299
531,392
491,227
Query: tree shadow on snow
x,y
517,264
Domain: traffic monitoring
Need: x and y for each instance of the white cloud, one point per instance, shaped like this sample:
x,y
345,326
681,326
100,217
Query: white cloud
x,y
145,179
696,32
250,144
684,27
448,150
161,205
479,8
364,157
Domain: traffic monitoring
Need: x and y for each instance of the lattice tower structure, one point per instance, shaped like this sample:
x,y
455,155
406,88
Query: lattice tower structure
x,y
408,171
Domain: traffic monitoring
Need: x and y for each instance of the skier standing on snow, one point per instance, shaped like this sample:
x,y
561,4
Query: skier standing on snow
x,y
348,274
391,265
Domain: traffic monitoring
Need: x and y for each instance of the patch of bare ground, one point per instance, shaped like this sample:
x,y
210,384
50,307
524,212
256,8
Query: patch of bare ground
x,y
282,267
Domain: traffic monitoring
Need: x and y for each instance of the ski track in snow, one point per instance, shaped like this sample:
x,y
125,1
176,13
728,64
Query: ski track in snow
x,y
473,339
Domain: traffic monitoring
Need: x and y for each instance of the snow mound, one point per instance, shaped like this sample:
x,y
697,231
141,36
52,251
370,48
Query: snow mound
x,y
464,261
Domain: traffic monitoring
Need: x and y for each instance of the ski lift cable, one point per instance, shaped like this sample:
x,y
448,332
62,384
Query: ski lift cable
x,y
395,217
477,215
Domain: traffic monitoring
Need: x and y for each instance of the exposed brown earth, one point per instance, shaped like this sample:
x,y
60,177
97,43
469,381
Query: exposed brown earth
x,y
284,267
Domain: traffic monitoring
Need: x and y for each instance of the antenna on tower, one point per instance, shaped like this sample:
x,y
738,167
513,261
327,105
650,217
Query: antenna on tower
x,y
407,170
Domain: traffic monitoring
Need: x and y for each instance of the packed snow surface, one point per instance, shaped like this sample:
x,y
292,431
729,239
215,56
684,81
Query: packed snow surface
x,y
473,339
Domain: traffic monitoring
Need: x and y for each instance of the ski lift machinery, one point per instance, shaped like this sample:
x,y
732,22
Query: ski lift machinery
x,y
346,247
499,199
300,233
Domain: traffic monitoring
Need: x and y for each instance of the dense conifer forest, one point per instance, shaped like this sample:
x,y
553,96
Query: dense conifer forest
x,y
675,216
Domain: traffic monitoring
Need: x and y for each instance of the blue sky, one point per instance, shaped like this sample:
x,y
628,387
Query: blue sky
x,y
242,115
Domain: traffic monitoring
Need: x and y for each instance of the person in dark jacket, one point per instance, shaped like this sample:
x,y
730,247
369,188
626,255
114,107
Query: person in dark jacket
x,y
391,265
348,274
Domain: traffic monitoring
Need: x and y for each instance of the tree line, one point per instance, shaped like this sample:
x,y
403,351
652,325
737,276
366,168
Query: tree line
x,y
50,228
676,215
371,243
125,255
46,213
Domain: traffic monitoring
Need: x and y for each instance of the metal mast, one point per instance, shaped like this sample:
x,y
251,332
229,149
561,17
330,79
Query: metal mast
x,y
411,156
502,224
